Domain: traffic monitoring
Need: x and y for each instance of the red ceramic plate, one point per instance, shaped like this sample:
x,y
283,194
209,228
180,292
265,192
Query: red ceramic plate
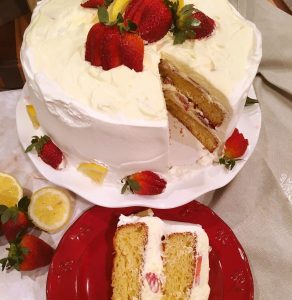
x,y
81,267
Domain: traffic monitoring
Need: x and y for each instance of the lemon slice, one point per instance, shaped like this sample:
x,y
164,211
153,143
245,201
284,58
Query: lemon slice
x,y
96,172
32,115
118,6
10,190
50,208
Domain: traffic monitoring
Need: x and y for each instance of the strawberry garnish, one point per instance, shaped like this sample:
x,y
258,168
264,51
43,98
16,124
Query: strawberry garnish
x,y
153,18
235,147
111,44
92,3
46,150
14,220
132,51
144,183
27,253
189,23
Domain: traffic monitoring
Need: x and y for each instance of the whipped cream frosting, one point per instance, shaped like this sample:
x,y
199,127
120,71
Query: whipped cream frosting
x,y
113,116
153,255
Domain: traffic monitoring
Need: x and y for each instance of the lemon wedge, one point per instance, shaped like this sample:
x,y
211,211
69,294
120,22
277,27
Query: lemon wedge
x,y
96,172
32,115
118,6
10,190
50,208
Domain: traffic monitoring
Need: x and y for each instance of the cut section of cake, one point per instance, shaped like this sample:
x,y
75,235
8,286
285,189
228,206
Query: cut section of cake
x,y
170,261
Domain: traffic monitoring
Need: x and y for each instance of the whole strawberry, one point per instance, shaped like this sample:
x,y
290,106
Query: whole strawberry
x,y
27,253
14,220
153,18
144,183
46,150
235,147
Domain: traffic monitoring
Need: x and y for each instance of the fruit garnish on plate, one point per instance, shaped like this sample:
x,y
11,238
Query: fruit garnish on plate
x,y
235,147
153,18
92,3
111,44
46,150
50,208
10,190
144,183
94,171
33,116
189,23
27,253
14,220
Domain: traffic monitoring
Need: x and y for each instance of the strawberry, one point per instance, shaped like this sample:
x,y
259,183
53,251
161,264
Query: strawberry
x,y
111,44
235,146
206,27
153,18
132,51
110,48
46,150
27,253
92,3
93,42
14,220
153,282
189,23
144,183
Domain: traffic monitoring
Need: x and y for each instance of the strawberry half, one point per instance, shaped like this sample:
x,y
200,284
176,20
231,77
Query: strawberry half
x,y
235,147
132,51
14,220
27,253
144,183
153,18
46,150
92,3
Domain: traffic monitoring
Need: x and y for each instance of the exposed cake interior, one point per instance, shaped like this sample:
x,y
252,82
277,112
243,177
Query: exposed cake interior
x,y
175,261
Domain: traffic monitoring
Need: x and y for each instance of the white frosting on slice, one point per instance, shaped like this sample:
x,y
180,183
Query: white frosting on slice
x,y
153,255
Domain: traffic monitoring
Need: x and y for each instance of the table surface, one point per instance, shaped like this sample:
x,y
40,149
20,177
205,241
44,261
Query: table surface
x,y
257,204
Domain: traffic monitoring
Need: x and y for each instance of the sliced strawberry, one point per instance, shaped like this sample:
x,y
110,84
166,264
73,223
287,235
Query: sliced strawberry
x,y
153,282
144,183
132,51
93,43
235,147
153,18
92,3
110,48
206,27
46,150
28,253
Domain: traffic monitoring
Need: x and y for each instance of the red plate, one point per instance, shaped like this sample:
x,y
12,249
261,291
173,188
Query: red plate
x,y
81,267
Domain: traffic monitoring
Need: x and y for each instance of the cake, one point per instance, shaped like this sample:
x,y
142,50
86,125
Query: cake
x,y
120,117
157,259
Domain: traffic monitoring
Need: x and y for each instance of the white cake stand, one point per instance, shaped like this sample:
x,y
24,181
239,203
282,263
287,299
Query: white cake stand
x,y
186,181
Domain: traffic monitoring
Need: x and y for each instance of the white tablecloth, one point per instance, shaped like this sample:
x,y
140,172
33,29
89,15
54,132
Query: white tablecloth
x,y
257,204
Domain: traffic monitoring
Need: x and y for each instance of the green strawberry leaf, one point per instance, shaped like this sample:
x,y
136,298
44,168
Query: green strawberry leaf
x,y
103,15
249,101
134,185
6,216
23,204
179,37
2,209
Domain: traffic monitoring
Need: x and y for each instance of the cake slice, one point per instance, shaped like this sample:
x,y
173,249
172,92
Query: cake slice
x,y
168,260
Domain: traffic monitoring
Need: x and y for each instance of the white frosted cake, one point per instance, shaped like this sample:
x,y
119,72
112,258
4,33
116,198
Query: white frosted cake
x,y
157,259
119,117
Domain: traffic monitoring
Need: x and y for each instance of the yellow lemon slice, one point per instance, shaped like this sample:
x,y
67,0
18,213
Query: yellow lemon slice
x,y
118,6
50,208
10,190
33,116
96,172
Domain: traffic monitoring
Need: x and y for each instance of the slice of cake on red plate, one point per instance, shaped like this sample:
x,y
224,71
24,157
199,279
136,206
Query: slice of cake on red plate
x,y
114,110
157,259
